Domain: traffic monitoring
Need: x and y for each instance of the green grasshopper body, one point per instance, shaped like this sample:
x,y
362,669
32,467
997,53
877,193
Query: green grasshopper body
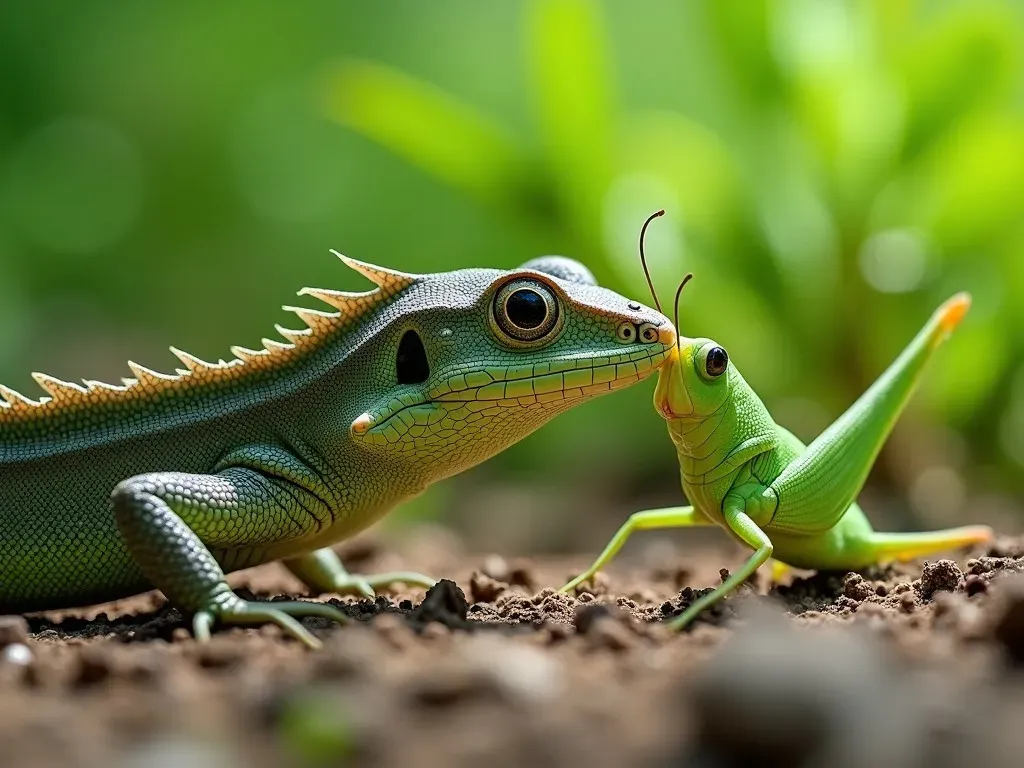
x,y
794,503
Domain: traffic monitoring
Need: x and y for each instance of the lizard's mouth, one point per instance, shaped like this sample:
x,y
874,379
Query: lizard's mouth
x,y
462,401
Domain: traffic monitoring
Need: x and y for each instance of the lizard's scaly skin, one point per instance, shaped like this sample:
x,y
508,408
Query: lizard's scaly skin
x,y
172,480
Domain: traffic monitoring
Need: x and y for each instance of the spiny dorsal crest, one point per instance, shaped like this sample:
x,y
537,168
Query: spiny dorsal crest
x,y
320,325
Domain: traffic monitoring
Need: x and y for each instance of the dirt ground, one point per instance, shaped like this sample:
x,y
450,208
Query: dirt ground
x,y
909,666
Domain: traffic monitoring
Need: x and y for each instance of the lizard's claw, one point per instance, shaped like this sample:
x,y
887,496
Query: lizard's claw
x,y
283,613
366,586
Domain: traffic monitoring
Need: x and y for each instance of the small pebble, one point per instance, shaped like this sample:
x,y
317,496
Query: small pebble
x,y
444,603
586,617
521,576
435,630
18,654
681,577
940,576
855,588
394,630
908,602
1008,630
975,585
496,568
607,633
484,588
13,629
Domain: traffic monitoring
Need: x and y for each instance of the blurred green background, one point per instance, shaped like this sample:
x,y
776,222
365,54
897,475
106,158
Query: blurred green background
x,y
173,172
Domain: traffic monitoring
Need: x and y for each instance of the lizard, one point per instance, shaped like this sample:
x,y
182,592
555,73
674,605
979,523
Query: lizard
x,y
745,473
172,480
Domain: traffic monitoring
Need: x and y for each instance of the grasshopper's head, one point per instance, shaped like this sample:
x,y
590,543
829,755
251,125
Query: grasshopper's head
x,y
466,363
695,381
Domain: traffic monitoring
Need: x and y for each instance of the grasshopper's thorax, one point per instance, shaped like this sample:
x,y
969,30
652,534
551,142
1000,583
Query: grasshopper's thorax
x,y
717,424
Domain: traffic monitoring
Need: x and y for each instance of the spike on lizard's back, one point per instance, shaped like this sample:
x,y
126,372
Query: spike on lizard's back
x,y
197,373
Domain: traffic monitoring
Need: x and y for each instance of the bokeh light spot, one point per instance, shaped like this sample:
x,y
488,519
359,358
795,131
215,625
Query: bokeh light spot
x,y
938,494
282,154
73,186
894,261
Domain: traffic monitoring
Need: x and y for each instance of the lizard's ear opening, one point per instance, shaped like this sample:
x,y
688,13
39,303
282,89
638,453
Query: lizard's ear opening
x,y
411,364
563,268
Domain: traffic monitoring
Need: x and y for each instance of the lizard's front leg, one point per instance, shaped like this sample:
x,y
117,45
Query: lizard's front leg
x,y
170,522
322,571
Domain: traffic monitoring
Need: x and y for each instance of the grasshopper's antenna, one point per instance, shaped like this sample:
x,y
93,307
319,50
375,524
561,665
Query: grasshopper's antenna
x,y
679,291
643,259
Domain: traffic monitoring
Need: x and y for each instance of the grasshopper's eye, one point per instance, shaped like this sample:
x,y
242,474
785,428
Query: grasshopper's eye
x,y
526,311
716,361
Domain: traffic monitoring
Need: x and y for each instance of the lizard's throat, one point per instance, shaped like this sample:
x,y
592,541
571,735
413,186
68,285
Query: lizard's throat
x,y
493,407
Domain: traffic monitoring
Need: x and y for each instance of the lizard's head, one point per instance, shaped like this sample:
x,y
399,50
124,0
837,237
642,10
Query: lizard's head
x,y
469,362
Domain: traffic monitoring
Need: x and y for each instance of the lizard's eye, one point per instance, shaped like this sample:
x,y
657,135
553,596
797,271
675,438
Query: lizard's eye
x,y
526,311
716,360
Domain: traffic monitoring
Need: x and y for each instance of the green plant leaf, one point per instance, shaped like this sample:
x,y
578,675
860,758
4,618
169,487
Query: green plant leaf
x,y
434,132
575,106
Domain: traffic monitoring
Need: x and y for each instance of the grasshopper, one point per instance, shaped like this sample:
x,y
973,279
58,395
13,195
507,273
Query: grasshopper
x,y
745,473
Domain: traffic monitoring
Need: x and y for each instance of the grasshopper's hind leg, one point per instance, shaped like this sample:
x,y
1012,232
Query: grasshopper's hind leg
x,y
888,547
671,517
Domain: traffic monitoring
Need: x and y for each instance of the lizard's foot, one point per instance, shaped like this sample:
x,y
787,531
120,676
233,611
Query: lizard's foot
x,y
235,610
367,586
322,571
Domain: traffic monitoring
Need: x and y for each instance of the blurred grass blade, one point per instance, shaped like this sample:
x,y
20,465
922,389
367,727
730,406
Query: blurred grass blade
x,y
572,92
976,176
431,130
967,60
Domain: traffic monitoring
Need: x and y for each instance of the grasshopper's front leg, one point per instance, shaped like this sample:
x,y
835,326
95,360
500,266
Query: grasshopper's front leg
x,y
670,517
172,523
322,571
740,523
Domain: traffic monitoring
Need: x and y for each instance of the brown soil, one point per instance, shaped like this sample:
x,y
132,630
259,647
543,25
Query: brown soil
x,y
912,666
